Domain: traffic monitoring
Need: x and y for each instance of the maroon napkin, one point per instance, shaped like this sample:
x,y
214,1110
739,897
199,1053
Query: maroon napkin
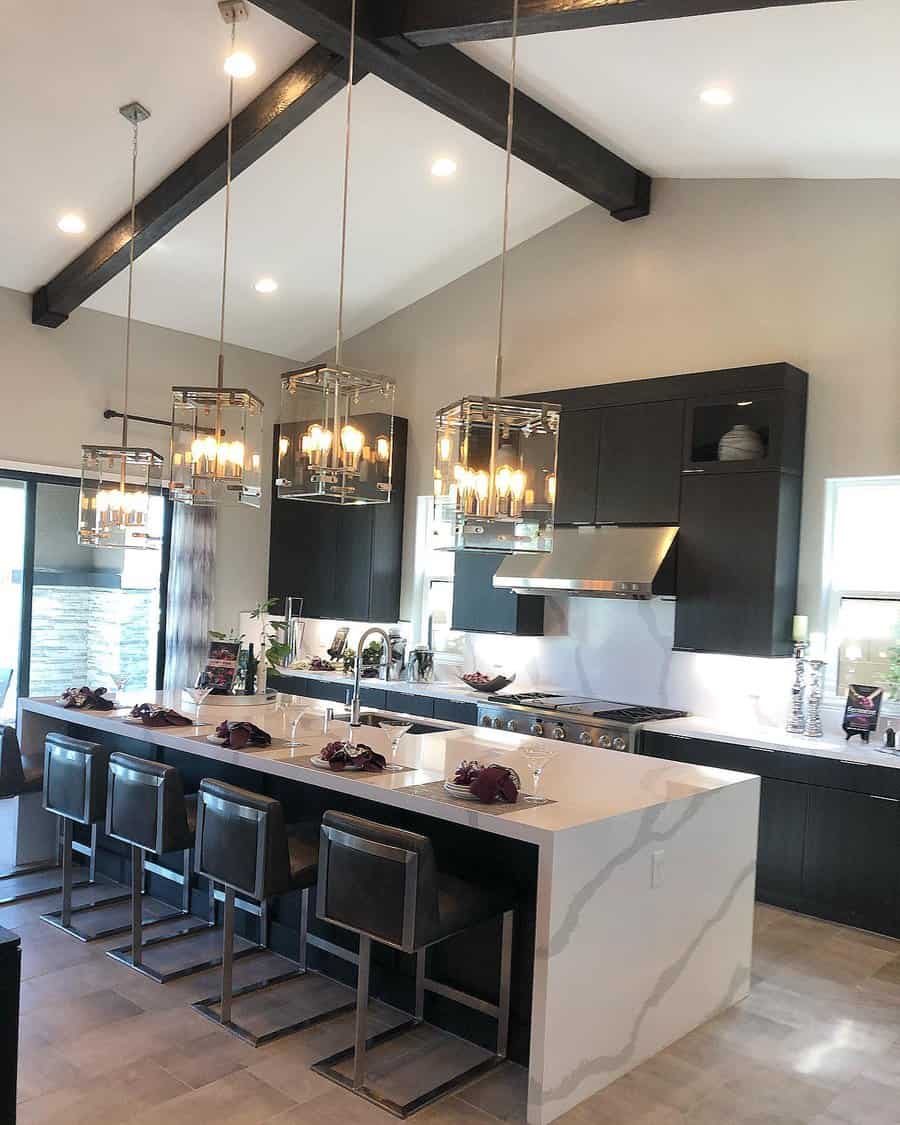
x,y
488,783
86,699
238,735
341,755
153,716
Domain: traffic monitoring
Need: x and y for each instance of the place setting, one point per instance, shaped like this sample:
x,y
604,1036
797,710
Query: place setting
x,y
495,788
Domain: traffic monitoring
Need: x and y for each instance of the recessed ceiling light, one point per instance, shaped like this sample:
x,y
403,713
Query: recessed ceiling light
x,y
717,95
72,224
240,65
266,285
443,167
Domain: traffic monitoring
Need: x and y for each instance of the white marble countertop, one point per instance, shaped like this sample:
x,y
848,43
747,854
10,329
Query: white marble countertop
x,y
587,785
773,738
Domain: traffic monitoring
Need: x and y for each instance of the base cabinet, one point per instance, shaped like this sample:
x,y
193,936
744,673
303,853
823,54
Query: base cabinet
x,y
826,846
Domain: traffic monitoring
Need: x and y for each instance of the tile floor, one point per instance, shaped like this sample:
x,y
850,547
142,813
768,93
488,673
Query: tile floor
x,y
816,1043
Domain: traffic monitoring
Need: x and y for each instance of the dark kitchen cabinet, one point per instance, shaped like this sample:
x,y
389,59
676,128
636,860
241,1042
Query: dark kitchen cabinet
x,y
456,711
639,468
343,561
827,847
408,704
851,870
620,464
777,417
737,563
478,607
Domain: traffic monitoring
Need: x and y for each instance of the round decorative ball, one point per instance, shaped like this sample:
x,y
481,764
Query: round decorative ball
x,y
741,443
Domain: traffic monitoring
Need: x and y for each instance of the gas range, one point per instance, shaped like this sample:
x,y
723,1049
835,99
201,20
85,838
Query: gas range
x,y
569,718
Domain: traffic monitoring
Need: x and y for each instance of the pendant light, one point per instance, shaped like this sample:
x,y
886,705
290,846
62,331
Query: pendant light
x,y
336,435
120,483
495,458
217,432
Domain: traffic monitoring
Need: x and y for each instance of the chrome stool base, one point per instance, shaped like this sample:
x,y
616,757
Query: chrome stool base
x,y
25,883
112,929
193,963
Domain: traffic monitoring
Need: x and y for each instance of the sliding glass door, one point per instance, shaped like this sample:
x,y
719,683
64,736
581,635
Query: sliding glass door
x,y
72,615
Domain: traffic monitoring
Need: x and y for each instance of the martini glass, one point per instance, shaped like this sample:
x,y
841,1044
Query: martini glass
x,y
198,696
395,730
537,757
292,709
120,679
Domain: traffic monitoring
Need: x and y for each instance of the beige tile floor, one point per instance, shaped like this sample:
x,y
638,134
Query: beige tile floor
x,y
816,1043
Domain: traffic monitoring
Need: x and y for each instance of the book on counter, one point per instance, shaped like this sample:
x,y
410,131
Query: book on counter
x,y
221,667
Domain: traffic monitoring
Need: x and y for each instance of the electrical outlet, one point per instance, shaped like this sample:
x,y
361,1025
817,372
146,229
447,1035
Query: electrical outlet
x,y
657,869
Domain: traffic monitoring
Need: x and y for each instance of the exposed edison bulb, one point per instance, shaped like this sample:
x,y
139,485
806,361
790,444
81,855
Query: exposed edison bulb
x,y
482,485
503,481
383,448
240,65
459,473
551,488
351,440
283,446
444,448
438,485
254,461
517,484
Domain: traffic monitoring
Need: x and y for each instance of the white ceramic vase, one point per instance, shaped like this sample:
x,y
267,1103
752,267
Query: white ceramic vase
x,y
741,443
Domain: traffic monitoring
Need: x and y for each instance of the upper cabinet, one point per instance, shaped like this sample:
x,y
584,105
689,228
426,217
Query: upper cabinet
x,y
343,561
765,427
620,464
479,607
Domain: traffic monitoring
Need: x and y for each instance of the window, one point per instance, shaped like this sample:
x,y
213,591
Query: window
x,y
862,583
434,586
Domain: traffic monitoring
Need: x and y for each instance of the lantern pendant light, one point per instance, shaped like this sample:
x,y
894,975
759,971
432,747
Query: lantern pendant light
x,y
120,483
217,432
336,434
495,458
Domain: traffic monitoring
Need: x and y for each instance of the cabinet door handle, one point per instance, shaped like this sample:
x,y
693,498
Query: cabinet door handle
x,y
876,797
845,762
684,472
764,749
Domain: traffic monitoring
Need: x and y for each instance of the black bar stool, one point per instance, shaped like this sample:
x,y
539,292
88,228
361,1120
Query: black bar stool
x,y
146,808
382,883
244,846
74,788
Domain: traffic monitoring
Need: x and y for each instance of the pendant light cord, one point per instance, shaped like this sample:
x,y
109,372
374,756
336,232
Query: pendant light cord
x,y
339,342
510,114
134,154
221,362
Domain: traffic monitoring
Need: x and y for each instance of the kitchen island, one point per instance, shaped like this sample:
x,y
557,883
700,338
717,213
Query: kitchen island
x,y
644,871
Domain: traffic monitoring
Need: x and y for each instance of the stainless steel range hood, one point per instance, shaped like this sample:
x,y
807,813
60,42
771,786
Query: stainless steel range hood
x,y
591,562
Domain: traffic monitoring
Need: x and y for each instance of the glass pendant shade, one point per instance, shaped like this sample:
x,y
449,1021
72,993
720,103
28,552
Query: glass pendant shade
x,y
495,473
217,446
336,436
119,502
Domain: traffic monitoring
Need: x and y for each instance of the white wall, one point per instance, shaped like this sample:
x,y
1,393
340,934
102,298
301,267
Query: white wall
x,y
721,274
56,383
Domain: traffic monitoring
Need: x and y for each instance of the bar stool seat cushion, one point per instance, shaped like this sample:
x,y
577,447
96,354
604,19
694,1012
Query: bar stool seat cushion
x,y
462,904
19,773
303,853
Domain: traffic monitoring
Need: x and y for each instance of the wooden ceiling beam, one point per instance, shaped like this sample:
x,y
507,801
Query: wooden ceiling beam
x,y
430,23
460,88
296,94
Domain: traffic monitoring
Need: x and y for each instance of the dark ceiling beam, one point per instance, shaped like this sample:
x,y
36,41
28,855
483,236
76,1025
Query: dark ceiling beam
x,y
463,90
430,23
281,107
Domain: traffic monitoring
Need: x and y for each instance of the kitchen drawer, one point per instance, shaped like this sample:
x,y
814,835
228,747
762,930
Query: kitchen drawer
x,y
325,689
290,685
372,697
456,711
410,704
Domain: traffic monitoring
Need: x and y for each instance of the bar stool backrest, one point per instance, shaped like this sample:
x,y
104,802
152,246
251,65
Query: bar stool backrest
x,y
241,840
75,778
145,804
12,775
377,880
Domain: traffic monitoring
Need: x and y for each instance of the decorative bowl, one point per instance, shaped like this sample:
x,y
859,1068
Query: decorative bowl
x,y
498,683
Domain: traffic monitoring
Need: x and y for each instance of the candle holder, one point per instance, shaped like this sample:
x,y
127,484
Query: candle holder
x,y
797,721
813,728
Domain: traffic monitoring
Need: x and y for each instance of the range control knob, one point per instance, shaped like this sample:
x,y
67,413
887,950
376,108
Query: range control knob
x,y
618,743
485,720
537,729
512,725
559,733
585,738
497,724
605,741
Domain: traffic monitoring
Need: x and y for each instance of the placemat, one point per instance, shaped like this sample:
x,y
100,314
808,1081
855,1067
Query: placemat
x,y
306,760
435,791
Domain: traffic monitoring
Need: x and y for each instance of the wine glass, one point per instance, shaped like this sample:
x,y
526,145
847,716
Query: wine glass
x,y
395,730
198,695
120,679
537,756
292,709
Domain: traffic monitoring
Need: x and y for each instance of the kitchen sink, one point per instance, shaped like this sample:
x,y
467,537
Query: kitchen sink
x,y
375,718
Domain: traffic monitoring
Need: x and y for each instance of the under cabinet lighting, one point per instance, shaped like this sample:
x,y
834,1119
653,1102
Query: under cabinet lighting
x,y
717,95
72,224
746,402
240,65
266,285
443,167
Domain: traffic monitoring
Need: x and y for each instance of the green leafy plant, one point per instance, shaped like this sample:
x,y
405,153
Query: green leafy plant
x,y
274,636
231,637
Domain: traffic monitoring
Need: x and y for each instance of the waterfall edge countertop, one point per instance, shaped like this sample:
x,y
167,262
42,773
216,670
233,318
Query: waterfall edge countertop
x,y
645,875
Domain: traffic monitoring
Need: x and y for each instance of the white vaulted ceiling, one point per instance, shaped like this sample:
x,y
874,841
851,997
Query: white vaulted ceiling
x,y
816,94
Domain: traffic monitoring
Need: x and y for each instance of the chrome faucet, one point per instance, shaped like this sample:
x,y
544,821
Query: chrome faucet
x,y
354,699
